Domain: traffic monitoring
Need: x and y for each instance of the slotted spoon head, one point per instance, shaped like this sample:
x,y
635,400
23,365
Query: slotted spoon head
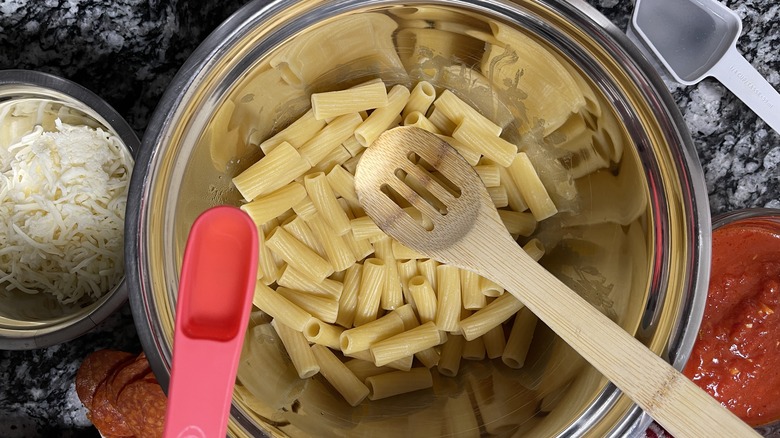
x,y
418,189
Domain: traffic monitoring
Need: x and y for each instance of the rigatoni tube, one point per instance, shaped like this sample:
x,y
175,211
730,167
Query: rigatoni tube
x,y
407,343
298,255
338,375
398,382
449,302
324,199
498,311
298,349
270,302
275,170
352,100
372,281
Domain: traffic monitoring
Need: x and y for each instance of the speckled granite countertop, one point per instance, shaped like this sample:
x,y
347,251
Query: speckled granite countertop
x,y
127,51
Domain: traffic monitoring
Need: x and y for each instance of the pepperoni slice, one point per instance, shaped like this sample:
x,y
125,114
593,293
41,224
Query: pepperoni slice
x,y
94,369
142,403
105,416
126,375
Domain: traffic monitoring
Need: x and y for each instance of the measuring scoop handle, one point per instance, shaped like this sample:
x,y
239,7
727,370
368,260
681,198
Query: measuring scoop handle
x,y
739,76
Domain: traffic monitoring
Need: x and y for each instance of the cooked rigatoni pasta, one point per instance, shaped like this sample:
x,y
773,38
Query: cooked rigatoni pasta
x,y
403,252
329,138
451,354
418,120
530,186
338,375
365,228
478,138
272,303
518,223
298,349
362,337
495,342
323,307
427,268
534,248
456,110
406,270
398,382
472,295
335,157
267,269
514,196
519,339
402,364
490,288
420,99
324,199
267,207
408,316
449,302
297,134
473,349
499,196
444,125
298,255
471,156
294,279
299,229
361,248
275,170
498,311
353,146
364,369
372,282
490,174
338,252
352,100
428,357
343,184
305,209
384,117
319,332
424,298
392,295
349,295
407,343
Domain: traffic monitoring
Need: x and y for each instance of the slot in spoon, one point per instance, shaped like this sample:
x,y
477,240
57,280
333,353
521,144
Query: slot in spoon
x,y
694,39
218,277
468,233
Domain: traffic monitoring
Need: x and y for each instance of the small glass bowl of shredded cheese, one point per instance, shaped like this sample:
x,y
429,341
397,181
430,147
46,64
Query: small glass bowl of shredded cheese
x,y
66,159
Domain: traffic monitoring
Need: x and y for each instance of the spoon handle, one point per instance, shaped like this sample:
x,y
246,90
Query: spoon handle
x,y
739,76
664,393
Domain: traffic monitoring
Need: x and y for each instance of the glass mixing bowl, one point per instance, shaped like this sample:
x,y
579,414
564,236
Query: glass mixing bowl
x,y
631,237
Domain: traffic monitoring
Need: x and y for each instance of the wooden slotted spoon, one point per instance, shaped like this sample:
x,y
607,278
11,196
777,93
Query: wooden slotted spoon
x,y
467,232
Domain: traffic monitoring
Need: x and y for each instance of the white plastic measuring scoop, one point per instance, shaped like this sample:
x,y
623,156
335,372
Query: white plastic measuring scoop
x,y
694,39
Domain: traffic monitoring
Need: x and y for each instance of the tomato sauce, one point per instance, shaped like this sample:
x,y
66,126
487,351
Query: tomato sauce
x,y
736,357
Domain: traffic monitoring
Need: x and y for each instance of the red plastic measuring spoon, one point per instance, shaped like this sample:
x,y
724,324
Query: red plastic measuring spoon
x,y
217,281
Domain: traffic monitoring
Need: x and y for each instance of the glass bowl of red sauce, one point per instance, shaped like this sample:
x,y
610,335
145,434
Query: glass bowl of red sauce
x,y
736,357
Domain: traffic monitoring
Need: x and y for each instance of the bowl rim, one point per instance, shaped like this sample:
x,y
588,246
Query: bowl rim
x,y
46,85
745,214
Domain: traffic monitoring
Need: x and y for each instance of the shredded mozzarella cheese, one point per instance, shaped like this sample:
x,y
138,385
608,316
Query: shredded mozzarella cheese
x,y
62,210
